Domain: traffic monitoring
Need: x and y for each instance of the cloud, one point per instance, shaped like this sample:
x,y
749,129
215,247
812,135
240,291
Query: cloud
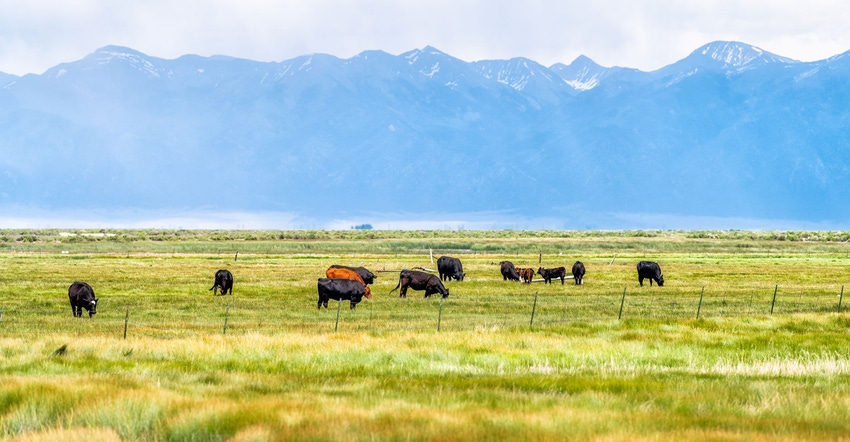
x,y
648,34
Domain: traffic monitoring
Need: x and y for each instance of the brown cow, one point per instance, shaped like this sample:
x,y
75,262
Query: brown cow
x,y
338,273
526,274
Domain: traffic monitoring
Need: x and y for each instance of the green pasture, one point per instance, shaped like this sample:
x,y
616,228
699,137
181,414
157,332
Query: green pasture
x,y
767,358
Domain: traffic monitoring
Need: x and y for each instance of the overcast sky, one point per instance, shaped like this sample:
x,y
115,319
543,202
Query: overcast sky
x,y
645,34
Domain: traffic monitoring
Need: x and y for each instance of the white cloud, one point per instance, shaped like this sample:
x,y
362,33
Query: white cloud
x,y
647,34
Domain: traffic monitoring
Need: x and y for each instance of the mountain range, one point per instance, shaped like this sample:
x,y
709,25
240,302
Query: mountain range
x,y
731,132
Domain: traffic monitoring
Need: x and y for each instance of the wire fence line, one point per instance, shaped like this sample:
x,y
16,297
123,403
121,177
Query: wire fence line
x,y
235,315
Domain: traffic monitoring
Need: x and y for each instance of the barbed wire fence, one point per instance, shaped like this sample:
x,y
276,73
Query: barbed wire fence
x,y
240,315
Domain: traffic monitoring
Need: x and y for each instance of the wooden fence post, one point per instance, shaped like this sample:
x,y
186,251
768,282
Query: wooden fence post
x,y
440,314
226,314
338,309
622,302
699,307
533,309
840,298
773,303
126,320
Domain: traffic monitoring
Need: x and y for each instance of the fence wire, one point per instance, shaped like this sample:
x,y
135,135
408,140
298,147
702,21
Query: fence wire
x,y
242,315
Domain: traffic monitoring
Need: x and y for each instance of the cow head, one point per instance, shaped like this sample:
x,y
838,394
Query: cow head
x,y
446,295
660,281
92,308
368,293
459,276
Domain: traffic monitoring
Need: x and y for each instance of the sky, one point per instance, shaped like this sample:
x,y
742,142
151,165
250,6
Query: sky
x,y
36,35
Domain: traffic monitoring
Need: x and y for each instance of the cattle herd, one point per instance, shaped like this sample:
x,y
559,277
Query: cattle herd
x,y
352,283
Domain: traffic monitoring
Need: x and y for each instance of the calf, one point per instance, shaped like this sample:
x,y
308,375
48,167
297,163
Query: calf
x,y
548,274
223,282
650,270
82,297
420,281
340,289
578,272
508,271
527,274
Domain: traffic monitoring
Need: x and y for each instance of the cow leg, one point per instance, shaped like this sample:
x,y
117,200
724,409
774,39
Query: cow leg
x,y
562,280
640,280
403,292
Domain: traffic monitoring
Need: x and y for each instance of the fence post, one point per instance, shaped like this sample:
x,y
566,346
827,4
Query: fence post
x,y
774,298
126,320
226,314
4,308
338,309
840,298
440,314
699,307
533,309
622,302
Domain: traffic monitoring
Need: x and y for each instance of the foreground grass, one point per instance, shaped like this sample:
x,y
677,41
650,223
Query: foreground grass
x,y
721,378
282,373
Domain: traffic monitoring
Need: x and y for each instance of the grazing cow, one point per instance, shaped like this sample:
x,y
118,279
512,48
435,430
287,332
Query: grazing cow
x,y
340,289
223,282
82,297
339,273
578,272
527,274
549,274
367,276
449,268
651,271
420,281
508,271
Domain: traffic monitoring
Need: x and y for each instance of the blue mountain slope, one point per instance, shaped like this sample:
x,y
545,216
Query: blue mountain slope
x,y
730,131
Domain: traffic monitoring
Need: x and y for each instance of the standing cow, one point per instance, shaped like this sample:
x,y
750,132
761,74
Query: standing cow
x,y
578,272
527,274
82,297
367,276
341,273
508,271
650,270
223,282
340,290
549,274
449,268
420,281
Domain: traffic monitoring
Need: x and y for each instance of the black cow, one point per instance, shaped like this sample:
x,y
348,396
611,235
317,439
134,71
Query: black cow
x,y
449,268
508,271
82,297
651,271
340,289
368,277
223,282
549,274
420,281
578,272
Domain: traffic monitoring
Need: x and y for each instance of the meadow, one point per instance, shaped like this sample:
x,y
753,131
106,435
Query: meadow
x,y
744,342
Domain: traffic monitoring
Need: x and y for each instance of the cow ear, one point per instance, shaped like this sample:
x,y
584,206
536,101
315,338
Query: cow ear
x,y
95,299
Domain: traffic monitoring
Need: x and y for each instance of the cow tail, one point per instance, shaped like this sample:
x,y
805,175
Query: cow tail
x,y
397,285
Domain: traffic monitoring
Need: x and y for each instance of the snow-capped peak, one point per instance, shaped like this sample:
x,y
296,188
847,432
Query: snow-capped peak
x,y
733,54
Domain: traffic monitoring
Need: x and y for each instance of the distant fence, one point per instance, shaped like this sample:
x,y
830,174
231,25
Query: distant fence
x,y
236,315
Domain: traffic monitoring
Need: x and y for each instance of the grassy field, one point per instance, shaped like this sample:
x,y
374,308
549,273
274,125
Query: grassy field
x,y
581,368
